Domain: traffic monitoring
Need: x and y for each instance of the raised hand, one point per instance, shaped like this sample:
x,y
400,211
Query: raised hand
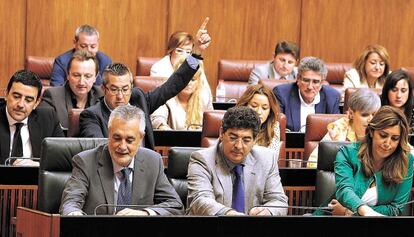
x,y
202,39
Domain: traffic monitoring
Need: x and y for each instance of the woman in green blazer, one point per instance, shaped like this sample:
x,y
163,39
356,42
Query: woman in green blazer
x,y
374,177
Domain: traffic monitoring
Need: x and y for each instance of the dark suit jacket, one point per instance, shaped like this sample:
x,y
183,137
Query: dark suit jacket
x,y
60,98
94,120
289,101
92,183
42,123
60,66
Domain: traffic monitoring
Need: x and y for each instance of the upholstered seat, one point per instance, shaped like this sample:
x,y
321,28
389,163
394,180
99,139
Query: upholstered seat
x,y
56,168
178,159
147,83
325,177
42,66
336,74
73,129
144,65
234,75
316,128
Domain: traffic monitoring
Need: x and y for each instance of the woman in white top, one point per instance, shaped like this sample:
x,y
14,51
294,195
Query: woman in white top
x,y
370,69
179,46
261,99
184,111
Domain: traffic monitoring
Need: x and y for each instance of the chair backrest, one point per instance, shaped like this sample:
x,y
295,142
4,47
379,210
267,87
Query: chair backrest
x,y
350,91
234,75
316,128
325,176
147,83
56,168
144,65
178,159
271,83
336,74
42,66
73,129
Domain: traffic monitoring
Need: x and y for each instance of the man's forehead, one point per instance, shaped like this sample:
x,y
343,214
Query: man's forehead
x,y
23,90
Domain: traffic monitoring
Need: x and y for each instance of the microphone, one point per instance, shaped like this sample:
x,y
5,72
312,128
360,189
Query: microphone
x,y
323,209
7,161
132,206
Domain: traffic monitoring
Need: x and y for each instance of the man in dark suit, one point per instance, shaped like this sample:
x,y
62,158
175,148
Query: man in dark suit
x,y
86,38
117,86
78,91
20,121
121,173
307,95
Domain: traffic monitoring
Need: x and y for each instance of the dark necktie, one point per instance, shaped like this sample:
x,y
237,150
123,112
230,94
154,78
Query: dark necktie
x,y
17,148
282,78
124,190
238,190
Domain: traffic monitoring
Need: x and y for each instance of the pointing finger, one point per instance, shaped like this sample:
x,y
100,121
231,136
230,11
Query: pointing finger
x,y
203,26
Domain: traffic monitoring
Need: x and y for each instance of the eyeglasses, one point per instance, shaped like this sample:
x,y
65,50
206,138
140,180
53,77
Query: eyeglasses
x,y
308,81
182,51
245,140
114,90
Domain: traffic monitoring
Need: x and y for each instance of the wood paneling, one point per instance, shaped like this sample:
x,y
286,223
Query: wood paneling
x,y
128,28
338,31
12,39
240,29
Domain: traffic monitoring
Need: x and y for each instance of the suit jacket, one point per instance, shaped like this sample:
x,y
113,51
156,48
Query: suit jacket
x,y
94,120
210,186
60,66
92,184
60,98
42,123
266,71
289,101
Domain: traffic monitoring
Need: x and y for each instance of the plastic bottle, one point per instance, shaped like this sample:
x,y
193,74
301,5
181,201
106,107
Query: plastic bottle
x,y
220,92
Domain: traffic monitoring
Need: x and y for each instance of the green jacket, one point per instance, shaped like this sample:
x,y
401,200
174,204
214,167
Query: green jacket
x,y
351,184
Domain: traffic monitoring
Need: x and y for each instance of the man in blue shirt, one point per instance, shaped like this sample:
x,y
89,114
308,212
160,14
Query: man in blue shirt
x,y
86,38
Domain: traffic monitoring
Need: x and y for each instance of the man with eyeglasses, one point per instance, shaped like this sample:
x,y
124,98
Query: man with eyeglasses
x,y
117,86
78,92
236,177
307,95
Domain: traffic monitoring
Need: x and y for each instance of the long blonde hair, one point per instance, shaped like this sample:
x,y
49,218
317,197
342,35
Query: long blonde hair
x,y
194,113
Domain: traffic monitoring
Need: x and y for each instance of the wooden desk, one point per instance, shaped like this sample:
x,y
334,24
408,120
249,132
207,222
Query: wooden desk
x,y
33,224
18,187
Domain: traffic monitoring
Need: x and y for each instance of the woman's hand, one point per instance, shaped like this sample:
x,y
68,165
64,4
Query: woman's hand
x,y
338,209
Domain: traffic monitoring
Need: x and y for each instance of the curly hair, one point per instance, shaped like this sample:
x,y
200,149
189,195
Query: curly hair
x,y
241,117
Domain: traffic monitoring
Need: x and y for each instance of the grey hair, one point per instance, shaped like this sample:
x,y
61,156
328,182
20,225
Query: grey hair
x,y
127,113
116,69
313,64
364,100
87,30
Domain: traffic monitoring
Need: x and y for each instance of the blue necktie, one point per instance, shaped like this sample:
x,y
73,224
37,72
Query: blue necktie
x,y
238,190
124,190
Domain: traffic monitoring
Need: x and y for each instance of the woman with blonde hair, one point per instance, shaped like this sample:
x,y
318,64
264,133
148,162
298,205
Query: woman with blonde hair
x,y
261,99
184,111
370,69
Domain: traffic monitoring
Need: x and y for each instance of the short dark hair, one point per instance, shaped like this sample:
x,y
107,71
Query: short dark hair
x,y
241,117
287,47
116,69
83,55
27,78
